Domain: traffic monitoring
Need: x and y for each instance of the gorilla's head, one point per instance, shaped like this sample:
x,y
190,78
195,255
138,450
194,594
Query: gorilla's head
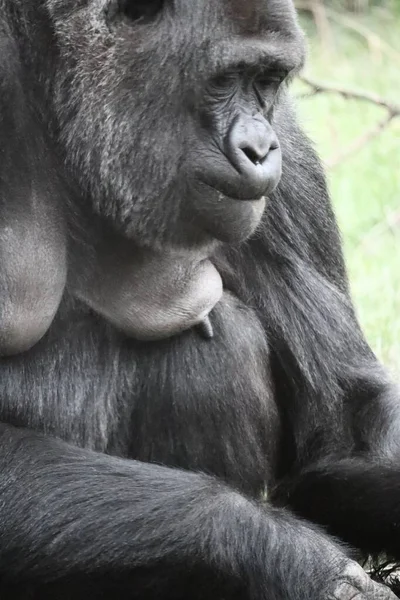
x,y
164,109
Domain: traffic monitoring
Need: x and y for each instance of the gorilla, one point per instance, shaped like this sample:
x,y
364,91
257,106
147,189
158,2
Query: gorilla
x,y
188,406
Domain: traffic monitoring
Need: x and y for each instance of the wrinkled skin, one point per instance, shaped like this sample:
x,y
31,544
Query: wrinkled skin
x,y
154,147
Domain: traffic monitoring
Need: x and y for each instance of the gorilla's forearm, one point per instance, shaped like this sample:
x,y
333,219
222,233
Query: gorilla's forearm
x,y
357,499
126,517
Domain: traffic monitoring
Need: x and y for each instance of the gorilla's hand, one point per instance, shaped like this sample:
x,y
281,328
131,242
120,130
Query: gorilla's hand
x,y
356,585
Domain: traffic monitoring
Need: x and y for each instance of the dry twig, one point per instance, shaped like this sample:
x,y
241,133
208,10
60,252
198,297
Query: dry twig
x,y
322,88
392,111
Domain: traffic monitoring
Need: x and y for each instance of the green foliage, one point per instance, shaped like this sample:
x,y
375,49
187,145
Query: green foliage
x,y
358,5
365,187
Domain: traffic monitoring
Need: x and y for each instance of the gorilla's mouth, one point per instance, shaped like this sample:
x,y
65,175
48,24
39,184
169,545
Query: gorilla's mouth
x,y
231,194
228,218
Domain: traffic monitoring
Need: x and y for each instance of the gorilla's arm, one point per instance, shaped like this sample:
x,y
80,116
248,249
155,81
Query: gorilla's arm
x,y
342,408
32,238
127,517
356,498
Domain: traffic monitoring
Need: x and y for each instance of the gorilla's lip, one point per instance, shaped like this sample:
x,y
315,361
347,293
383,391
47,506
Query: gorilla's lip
x,y
238,198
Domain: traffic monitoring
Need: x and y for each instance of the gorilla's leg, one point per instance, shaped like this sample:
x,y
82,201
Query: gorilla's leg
x,y
358,497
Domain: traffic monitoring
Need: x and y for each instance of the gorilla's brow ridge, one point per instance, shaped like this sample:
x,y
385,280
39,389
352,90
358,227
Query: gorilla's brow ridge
x,y
254,54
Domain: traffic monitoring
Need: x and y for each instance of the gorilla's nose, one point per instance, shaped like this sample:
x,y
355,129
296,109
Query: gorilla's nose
x,y
253,149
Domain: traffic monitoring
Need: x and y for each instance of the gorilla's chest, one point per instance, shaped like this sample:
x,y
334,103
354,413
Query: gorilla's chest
x,y
200,404
209,405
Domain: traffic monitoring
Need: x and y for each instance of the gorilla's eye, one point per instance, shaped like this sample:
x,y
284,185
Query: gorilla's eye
x,y
225,80
140,10
270,79
224,85
267,84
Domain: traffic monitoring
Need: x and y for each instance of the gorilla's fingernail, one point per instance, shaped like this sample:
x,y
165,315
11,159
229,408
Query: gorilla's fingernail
x,y
206,329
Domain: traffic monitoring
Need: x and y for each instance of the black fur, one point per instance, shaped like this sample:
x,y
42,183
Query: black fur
x,y
137,469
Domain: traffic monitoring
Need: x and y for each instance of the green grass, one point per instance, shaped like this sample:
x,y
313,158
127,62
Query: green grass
x,y
366,187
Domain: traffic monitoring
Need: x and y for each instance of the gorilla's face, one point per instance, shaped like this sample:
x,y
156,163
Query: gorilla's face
x,y
164,110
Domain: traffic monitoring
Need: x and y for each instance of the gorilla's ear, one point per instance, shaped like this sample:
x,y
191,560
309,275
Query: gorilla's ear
x,y
32,237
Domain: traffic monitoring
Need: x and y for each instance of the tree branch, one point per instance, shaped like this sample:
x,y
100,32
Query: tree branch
x,y
392,111
321,88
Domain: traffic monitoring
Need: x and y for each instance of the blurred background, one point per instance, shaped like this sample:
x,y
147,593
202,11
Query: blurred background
x,y
354,45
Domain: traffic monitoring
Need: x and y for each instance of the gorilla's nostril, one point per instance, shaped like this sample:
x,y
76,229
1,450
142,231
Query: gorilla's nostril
x,y
253,150
253,156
